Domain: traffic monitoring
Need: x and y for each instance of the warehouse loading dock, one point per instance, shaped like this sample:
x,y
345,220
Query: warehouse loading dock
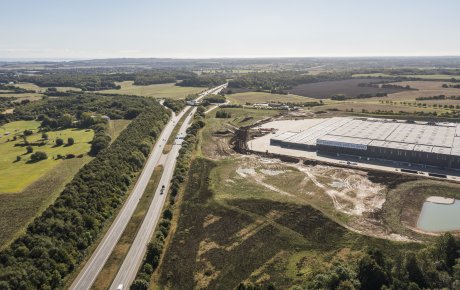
x,y
432,144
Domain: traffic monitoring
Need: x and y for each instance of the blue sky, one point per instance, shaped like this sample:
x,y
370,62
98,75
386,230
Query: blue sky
x,y
238,28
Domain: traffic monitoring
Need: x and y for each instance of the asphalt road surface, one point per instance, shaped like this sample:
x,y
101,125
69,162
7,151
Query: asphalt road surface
x,y
96,262
128,270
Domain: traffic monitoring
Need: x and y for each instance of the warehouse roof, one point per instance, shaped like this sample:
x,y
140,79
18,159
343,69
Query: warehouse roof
x,y
441,138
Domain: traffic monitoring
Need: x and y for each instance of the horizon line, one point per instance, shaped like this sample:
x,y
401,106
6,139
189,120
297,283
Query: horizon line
x,y
68,59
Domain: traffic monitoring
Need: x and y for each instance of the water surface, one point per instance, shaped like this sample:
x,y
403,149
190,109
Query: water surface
x,y
437,217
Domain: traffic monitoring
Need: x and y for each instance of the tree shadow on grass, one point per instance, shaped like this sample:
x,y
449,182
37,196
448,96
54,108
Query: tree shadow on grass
x,y
33,161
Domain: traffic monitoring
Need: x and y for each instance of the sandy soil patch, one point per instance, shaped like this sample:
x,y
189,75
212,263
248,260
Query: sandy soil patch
x,y
350,190
440,199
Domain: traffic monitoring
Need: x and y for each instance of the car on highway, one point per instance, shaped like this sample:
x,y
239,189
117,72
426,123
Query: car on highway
x,y
162,189
120,287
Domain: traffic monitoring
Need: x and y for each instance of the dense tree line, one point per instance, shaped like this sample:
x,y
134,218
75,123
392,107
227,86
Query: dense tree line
x,y
94,80
57,241
451,86
161,77
8,89
409,71
156,247
203,80
279,81
215,99
341,97
223,114
113,106
86,82
6,102
439,97
175,105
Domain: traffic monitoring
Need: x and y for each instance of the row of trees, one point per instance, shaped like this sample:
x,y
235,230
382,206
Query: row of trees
x,y
438,97
9,89
342,97
57,241
156,247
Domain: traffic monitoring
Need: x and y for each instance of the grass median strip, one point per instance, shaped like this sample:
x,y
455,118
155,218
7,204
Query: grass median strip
x,y
115,260
173,135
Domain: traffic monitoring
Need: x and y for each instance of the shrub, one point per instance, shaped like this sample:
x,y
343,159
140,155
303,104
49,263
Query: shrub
x,y
29,149
59,142
28,132
70,141
37,156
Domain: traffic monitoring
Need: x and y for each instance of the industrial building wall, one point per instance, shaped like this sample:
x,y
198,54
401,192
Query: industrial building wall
x,y
432,159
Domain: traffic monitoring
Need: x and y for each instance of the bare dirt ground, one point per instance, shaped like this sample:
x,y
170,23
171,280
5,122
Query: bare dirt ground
x,y
349,190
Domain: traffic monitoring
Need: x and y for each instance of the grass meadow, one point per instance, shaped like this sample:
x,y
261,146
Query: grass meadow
x,y
15,175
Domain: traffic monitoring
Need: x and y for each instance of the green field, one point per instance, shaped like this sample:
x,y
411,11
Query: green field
x,y
425,77
15,176
261,97
17,210
156,91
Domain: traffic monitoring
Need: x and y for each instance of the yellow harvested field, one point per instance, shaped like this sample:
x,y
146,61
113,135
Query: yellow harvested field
x,y
425,89
169,90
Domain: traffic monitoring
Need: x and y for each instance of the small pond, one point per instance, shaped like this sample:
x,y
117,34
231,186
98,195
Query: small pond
x,y
438,217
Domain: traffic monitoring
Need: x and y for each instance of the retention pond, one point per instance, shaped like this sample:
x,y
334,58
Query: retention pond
x,y
439,215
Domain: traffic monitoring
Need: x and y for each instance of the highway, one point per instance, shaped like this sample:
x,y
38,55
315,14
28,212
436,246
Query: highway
x,y
133,260
128,270
96,262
